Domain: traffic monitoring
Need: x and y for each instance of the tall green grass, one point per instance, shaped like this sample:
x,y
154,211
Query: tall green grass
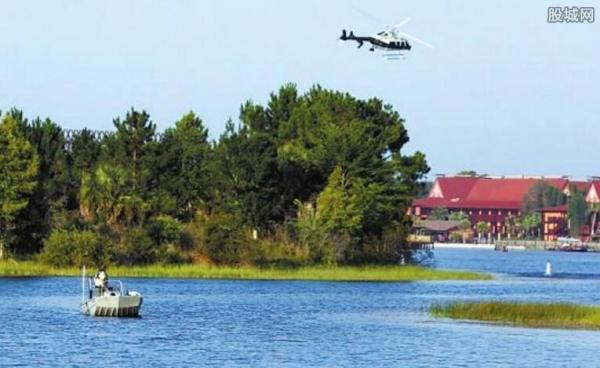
x,y
324,273
553,315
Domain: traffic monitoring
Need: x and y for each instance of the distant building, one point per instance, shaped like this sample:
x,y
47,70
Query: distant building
x,y
593,193
554,222
493,199
554,219
439,230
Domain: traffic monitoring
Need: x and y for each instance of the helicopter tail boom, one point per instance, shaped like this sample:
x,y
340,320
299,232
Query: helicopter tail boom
x,y
351,37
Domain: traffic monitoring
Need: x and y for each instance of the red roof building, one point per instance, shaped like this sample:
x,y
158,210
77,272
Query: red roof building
x,y
593,193
492,199
582,186
487,199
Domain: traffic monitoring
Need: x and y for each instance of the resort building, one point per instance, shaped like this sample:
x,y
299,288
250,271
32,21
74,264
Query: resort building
x,y
554,219
493,199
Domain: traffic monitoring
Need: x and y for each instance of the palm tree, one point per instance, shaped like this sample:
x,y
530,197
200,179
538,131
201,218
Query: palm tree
x,y
592,212
482,228
464,223
104,196
510,222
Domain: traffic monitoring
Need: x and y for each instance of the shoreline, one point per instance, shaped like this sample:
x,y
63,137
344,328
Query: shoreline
x,y
475,246
307,273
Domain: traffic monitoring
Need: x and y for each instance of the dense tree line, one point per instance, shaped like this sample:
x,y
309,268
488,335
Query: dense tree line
x,y
305,179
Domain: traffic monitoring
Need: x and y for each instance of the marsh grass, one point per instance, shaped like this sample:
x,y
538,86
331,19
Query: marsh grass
x,y
321,273
551,315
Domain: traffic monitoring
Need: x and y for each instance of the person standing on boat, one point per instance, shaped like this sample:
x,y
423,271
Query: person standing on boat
x,y
101,280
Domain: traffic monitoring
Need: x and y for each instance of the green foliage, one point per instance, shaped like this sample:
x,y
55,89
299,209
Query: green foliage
x,y
279,250
388,248
472,173
49,198
18,170
513,225
134,247
312,236
225,240
482,228
165,229
456,237
74,248
316,273
172,254
541,195
561,315
309,178
576,212
167,232
181,167
131,147
531,223
248,178
464,226
106,197
463,218
82,157
593,211
423,188
438,213
337,208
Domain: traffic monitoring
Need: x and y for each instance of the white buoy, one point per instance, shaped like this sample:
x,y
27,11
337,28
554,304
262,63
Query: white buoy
x,y
548,269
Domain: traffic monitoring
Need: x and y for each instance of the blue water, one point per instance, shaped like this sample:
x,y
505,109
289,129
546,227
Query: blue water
x,y
304,324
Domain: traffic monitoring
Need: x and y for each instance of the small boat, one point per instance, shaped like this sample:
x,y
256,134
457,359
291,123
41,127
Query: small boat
x,y
573,248
572,245
113,301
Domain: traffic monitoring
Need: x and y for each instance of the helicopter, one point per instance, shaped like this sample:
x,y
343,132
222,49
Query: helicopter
x,y
389,40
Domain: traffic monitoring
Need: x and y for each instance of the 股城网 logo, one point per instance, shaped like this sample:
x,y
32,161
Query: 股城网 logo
x,y
570,14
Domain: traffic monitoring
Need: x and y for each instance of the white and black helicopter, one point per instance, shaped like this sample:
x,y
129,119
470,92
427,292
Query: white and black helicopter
x,y
391,41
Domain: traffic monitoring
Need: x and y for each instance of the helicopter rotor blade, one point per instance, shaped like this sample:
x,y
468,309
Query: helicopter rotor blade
x,y
366,14
403,34
397,26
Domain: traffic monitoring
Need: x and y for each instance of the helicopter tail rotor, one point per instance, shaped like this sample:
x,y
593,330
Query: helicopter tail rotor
x,y
347,36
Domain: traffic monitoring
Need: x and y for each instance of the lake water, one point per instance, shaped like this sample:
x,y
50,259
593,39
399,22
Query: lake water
x,y
305,324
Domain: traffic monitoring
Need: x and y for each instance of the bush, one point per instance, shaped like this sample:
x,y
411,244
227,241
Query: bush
x,y
388,248
165,229
135,247
313,236
74,248
278,249
171,254
456,237
225,241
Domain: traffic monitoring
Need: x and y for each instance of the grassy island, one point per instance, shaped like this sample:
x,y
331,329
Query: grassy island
x,y
540,315
322,273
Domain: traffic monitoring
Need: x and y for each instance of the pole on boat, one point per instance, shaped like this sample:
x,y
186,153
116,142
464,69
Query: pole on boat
x,y
83,285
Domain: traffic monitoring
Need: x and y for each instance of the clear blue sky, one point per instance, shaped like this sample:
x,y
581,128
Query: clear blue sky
x,y
503,92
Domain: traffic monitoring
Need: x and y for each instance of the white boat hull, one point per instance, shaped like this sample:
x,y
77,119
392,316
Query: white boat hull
x,y
113,306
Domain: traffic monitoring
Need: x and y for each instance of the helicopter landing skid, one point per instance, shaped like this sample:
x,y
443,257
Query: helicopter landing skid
x,y
394,56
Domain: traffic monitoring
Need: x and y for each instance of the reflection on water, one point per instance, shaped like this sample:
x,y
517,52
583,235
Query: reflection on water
x,y
299,324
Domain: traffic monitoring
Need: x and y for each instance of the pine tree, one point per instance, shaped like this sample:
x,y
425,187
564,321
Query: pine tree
x,y
131,145
18,170
49,198
181,166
